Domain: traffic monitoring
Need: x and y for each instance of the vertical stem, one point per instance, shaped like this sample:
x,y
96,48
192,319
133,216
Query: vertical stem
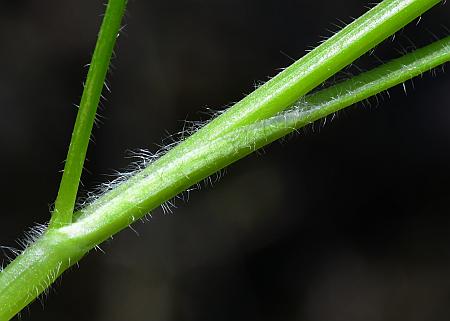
x,y
68,189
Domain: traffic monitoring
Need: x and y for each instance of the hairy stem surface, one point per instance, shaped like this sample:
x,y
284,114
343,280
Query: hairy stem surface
x,y
247,126
184,166
318,65
311,70
35,269
65,201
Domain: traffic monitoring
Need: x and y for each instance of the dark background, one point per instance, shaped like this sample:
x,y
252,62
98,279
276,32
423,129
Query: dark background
x,y
343,222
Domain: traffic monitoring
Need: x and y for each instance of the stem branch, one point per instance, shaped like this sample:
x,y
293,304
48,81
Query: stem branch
x,y
68,189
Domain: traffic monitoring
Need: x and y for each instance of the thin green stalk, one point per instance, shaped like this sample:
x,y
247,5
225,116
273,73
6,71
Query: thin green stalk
x,y
329,101
34,270
68,189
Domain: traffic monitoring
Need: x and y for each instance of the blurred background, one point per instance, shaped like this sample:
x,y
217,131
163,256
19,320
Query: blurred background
x,y
348,221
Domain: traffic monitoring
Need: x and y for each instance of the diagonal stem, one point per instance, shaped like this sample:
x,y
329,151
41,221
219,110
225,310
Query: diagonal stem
x,y
185,166
324,61
309,71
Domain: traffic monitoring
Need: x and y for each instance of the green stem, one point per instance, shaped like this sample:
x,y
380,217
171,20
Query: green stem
x,y
35,269
309,71
32,272
186,165
318,65
65,201
328,101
